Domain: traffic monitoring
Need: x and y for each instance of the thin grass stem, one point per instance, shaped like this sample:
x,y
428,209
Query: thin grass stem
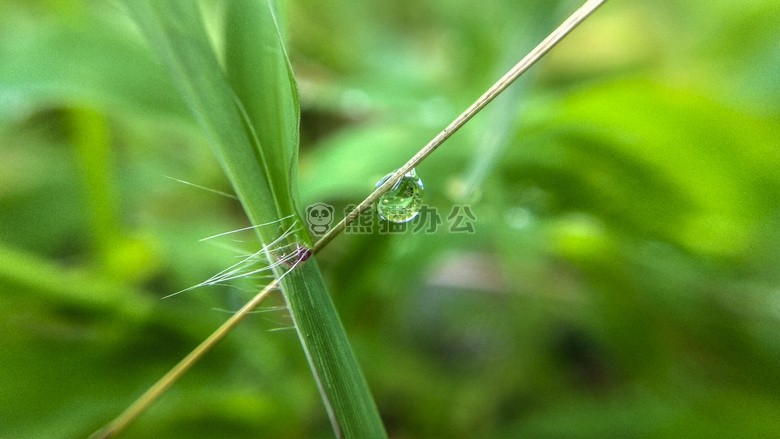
x,y
537,53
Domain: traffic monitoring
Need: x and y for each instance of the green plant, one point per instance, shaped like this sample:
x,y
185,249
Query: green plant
x,y
267,110
250,116
620,282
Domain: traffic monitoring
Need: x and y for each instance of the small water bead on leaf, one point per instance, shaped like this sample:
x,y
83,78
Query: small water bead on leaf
x,y
403,201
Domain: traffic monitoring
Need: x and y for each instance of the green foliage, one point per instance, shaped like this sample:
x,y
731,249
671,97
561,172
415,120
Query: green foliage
x,y
175,31
622,280
251,123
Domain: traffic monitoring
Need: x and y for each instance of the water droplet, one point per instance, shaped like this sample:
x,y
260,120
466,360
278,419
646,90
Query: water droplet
x,y
403,201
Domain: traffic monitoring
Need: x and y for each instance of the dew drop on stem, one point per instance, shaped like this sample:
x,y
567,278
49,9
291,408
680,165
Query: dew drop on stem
x,y
403,201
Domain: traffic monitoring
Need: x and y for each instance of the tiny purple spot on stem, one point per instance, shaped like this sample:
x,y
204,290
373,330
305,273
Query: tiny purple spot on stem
x,y
300,254
303,252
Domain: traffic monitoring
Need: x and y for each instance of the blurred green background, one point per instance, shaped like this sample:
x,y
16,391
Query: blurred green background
x,y
622,280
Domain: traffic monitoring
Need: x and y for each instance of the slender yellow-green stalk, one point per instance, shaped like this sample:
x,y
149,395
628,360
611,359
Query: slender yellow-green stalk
x,y
539,51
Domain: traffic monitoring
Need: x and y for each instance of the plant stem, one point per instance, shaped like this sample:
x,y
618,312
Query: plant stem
x,y
537,53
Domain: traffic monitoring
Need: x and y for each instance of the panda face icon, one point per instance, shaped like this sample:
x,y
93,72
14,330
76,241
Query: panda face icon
x,y
319,216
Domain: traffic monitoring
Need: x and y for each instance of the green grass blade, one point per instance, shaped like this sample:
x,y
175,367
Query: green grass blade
x,y
350,406
250,119
175,30
259,71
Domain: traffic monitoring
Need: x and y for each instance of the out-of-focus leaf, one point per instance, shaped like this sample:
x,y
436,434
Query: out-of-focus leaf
x,y
678,165
87,62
